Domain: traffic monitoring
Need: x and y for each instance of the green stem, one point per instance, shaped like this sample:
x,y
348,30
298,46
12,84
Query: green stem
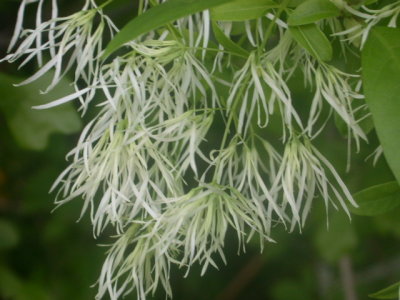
x,y
101,6
141,7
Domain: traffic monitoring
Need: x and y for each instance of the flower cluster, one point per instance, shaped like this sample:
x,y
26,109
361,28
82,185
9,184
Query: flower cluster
x,y
154,164
367,18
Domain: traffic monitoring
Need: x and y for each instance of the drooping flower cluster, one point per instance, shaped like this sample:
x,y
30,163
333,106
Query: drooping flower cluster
x,y
154,164
365,19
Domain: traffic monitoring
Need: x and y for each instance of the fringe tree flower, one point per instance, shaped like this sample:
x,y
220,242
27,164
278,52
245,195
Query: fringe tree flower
x,y
132,165
192,229
368,18
141,268
332,86
167,71
256,88
250,167
75,35
303,172
143,140
199,220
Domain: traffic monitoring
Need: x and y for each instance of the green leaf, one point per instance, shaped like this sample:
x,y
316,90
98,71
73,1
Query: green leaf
x,y
312,39
312,11
226,42
391,292
381,77
156,17
378,199
241,10
32,128
294,3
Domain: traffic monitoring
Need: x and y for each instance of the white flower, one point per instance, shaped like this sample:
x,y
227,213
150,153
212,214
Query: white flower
x,y
333,87
160,71
250,167
132,164
368,18
257,86
147,135
198,222
70,42
305,173
192,229
136,263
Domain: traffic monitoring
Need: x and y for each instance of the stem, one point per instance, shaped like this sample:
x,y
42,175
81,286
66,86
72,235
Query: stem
x,y
141,7
101,6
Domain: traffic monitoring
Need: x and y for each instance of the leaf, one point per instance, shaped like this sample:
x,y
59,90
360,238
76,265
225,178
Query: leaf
x,y
156,17
381,77
227,43
378,199
32,128
241,10
294,3
391,292
312,39
312,11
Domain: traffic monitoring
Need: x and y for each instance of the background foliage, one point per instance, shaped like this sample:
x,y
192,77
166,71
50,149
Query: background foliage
x,y
50,256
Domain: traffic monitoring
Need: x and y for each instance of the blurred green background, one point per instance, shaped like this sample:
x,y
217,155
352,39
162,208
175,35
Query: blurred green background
x,y
46,255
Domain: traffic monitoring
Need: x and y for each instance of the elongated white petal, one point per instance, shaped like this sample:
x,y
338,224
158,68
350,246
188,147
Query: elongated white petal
x,y
63,99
